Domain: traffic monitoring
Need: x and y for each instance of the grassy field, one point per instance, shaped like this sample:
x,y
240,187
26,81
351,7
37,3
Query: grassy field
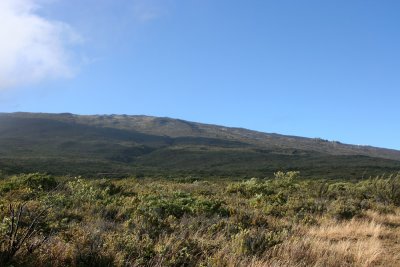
x,y
283,220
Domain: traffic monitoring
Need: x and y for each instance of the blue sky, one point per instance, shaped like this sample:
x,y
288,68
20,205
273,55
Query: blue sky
x,y
328,69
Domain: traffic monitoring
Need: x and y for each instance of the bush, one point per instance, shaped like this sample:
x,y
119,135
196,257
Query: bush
x,y
255,242
34,181
179,204
91,248
82,191
344,208
39,181
250,188
383,190
22,231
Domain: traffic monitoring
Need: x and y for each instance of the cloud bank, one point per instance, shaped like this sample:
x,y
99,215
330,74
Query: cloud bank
x,y
32,48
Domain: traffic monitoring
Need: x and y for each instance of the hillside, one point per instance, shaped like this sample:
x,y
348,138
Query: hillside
x,y
122,144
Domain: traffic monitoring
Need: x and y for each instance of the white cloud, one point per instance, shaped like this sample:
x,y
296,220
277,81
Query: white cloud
x,y
32,48
148,10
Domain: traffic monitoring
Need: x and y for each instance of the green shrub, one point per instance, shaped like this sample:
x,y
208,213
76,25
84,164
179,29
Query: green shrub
x,y
82,191
9,185
179,204
250,188
39,181
340,189
286,177
383,190
32,181
344,208
256,241
109,187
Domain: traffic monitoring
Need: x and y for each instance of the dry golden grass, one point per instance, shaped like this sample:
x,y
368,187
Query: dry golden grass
x,y
391,219
336,244
351,243
353,229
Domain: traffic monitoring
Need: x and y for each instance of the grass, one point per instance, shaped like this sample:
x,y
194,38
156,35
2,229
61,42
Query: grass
x,y
282,220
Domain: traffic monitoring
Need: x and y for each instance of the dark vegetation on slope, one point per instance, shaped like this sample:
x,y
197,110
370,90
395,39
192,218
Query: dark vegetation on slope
x,y
118,145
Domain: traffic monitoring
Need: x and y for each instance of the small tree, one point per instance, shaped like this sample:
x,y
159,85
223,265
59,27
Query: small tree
x,y
18,231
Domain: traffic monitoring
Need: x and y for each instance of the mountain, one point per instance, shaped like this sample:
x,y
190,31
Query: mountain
x,y
118,145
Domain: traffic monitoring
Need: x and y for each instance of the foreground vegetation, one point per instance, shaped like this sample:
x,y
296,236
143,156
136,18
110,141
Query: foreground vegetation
x,y
279,221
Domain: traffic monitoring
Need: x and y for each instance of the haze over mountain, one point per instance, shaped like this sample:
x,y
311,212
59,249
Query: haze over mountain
x,y
123,145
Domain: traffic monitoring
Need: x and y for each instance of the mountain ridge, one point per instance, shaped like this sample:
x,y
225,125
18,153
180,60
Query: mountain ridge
x,y
254,135
136,143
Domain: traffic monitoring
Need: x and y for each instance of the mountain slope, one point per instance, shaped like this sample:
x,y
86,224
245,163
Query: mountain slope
x,y
121,144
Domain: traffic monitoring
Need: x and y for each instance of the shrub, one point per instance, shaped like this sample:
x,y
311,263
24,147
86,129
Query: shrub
x,y
286,177
344,208
179,204
109,187
256,242
82,191
33,181
39,181
91,248
21,232
250,188
383,190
